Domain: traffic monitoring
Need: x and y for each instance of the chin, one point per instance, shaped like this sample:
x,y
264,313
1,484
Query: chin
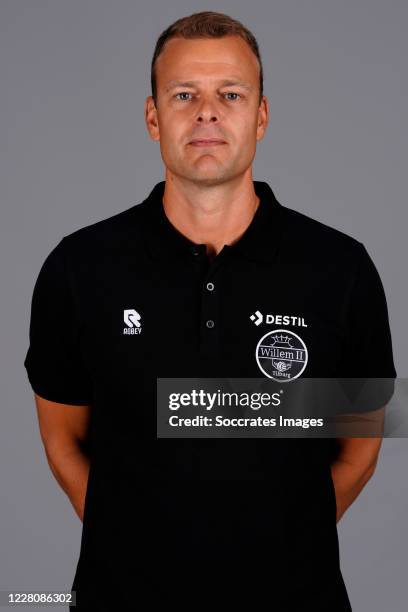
x,y
209,176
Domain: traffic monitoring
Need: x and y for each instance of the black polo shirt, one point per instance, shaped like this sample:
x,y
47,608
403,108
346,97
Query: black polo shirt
x,y
128,299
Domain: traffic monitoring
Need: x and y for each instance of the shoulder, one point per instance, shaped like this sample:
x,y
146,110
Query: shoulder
x,y
319,242
121,232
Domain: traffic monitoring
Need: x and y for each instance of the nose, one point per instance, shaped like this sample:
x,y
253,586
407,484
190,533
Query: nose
x,y
202,118
206,113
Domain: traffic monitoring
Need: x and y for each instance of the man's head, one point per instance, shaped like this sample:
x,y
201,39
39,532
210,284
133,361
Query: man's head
x,y
207,83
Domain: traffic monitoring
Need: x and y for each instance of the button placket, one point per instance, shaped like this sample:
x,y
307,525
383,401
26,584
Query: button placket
x,y
209,312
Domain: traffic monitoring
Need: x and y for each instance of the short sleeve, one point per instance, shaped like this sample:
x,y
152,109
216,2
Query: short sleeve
x,y
53,360
368,355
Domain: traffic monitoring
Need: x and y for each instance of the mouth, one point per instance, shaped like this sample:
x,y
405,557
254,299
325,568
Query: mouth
x,y
207,142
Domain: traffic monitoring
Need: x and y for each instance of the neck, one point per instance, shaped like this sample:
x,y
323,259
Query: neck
x,y
210,214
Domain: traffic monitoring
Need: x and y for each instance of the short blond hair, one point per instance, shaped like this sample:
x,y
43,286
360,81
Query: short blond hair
x,y
206,24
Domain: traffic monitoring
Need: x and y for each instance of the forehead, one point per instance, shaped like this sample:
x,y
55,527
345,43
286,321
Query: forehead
x,y
229,56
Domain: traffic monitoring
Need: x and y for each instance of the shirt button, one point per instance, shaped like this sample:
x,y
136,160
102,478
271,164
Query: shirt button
x,y
210,323
210,286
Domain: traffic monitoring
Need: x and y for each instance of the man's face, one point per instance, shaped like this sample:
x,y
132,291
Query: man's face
x,y
207,89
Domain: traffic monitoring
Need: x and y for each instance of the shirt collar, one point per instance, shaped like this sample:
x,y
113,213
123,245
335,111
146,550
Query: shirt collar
x,y
259,241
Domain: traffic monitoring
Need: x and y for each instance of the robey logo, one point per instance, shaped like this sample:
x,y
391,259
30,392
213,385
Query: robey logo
x,y
281,354
132,319
257,318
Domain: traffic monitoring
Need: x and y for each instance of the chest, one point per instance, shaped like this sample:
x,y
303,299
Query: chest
x,y
242,318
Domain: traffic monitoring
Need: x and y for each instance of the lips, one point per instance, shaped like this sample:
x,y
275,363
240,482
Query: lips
x,y
207,142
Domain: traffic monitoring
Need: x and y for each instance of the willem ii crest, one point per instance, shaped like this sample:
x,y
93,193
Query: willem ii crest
x,y
281,355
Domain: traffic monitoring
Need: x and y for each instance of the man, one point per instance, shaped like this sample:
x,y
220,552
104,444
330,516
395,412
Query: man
x,y
176,286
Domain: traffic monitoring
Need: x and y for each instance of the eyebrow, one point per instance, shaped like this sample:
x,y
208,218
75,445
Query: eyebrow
x,y
225,82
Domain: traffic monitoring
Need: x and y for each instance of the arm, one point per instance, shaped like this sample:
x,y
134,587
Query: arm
x,y
353,467
64,429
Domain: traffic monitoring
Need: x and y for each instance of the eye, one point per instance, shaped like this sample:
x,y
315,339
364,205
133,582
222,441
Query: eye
x,y
186,93
182,93
232,93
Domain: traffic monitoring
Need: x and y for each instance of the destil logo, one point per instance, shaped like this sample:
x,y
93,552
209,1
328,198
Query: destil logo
x,y
270,319
257,317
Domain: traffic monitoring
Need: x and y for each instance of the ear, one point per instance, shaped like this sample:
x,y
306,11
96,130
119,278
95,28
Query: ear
x,y
263,118
151,118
